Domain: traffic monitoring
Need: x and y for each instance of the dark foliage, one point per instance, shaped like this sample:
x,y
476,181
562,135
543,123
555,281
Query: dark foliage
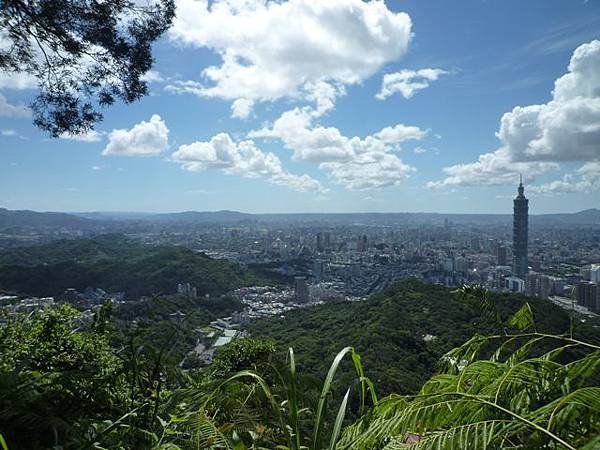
x,y
116,264
388,331
243,354
52,378
83,53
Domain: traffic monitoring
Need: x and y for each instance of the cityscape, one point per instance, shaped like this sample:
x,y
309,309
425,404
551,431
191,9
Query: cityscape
x,y
299,225
348,258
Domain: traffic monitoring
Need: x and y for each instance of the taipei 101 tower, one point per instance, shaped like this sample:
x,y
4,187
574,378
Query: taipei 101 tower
x,y
520,233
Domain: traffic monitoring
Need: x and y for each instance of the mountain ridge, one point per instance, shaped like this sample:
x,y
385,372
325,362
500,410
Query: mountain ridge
x,y
10,218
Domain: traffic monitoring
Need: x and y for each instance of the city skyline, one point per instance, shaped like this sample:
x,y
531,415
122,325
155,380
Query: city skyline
x,y
249,121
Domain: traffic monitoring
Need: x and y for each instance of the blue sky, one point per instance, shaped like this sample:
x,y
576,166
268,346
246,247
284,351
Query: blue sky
x,y
340,106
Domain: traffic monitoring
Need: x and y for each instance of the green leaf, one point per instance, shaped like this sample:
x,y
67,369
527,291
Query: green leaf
x,y
3,442
523,318
339,420
323,397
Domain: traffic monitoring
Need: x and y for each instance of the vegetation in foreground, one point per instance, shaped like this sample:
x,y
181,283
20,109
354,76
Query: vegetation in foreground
x,y
400,333
89,385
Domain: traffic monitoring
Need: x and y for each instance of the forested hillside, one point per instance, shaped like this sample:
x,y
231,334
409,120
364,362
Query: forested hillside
x,y
400,333
105,384
116,264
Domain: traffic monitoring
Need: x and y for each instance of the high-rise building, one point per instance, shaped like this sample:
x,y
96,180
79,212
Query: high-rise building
x,y
501,255
588,295
515,284
300,290
595,273
320,242
520,233
362,244
318,269
327,236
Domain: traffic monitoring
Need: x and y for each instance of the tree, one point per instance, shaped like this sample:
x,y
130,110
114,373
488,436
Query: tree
x,y
242,354
83,54
56,375
515,389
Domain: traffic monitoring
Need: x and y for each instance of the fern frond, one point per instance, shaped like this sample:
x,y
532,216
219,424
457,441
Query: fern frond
x,y
476,436
523,318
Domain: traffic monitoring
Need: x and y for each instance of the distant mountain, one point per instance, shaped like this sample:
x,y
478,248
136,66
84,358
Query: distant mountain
x,y
114,215
588,216
203,216
27,218
80,220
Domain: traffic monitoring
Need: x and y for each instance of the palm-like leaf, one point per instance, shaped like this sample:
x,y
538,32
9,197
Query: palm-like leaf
x,y
505,401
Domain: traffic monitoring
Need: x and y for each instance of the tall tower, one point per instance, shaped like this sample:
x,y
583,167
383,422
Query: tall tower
x,y
520,233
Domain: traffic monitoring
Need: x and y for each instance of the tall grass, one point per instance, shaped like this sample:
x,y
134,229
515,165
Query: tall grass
x,y
298,425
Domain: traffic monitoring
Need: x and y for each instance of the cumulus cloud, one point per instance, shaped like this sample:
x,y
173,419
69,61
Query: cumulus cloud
x,y
369,170
586,179
90,136
270,50
8,109
400,133
537,138
17,80
152,76
241,108
355,163
407,82
495,168
240,158
144,139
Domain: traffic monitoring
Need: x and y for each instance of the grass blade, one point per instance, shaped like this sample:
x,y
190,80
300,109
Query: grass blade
x,y
339,421
323,397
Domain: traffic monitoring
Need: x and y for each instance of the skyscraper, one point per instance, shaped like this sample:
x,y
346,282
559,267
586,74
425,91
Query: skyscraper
x,y
301,290
520,233
501,255
320,243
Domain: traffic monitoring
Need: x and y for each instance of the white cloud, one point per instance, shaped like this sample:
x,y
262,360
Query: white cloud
x,y
152,76
90,136
243,159
17,80
491,169
586,179
407,82
400,133
536,138
419,150
355,163
241,108
318,144
271,50
8,109
8,132
144,139
370,170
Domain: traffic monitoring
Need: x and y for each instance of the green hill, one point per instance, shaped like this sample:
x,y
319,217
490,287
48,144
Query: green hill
x,y
26,218
115,263
388,330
